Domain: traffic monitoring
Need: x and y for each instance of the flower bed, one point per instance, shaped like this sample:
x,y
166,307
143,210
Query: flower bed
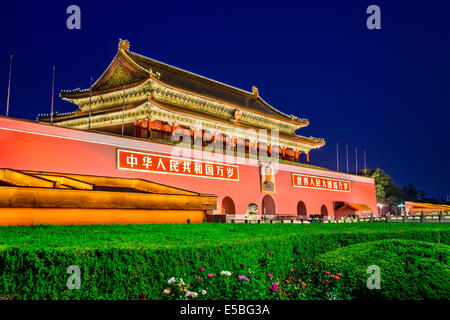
x,y
137,261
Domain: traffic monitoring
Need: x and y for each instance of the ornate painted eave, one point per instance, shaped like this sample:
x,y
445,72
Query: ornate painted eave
x,y
157,90
67,119
154,110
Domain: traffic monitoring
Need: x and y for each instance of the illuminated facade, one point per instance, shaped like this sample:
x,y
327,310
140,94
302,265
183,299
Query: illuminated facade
x,y
143,119
414,208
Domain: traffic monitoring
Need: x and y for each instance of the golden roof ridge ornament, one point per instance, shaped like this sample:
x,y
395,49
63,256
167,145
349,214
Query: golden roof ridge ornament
x,y
255,92
157,75
124,45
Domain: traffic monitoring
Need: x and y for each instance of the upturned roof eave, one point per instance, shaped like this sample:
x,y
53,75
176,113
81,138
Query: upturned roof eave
x,y
74,95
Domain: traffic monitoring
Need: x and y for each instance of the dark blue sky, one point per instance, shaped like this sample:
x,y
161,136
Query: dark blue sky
x,y
387,90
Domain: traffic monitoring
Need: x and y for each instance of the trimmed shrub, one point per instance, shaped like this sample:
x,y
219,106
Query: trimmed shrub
x,y
409,270
122,261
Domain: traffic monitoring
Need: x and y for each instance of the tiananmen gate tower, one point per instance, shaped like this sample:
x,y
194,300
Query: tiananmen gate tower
x,y
149,143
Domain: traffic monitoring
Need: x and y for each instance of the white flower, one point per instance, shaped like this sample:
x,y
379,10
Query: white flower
x,y
191,294
225,273
203,292
181,282
166,291
171,280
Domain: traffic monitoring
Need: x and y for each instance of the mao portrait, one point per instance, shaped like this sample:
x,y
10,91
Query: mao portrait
x,y
267,178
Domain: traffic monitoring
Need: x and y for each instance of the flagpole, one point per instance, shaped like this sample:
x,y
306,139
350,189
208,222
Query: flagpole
x,y
346,151
356,152
9,84
337,156
90,103
365,171
53,94
123,109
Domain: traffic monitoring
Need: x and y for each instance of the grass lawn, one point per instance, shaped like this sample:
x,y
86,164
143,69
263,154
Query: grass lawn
x,y
154,236
133,261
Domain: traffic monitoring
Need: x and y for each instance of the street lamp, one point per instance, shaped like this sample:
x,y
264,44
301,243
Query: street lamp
x,y
402,208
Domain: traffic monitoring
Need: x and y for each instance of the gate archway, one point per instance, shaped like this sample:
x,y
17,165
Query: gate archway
x,y
268,206
324,210
228,206
301,209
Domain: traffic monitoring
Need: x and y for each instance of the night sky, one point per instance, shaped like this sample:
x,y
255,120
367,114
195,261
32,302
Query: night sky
x,y
386,91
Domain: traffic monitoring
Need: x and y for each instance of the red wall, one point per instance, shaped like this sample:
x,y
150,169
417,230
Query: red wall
x,y
26,145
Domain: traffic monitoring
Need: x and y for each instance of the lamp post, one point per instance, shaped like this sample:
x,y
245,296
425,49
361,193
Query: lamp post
x,y
380,208
402,208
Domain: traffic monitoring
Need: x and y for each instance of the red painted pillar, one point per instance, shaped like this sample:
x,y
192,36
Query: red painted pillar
x,y
149,128
214,142
137,126
307,157
144,126
203,138
172,131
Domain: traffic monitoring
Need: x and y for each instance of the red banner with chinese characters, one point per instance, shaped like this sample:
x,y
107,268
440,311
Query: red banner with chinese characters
x,y
139,161
322,183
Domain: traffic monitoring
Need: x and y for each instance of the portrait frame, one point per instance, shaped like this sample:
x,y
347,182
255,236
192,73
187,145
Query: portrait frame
x,y
263,177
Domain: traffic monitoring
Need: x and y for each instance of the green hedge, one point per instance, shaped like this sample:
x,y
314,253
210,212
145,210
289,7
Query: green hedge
x,y
119,262
409,269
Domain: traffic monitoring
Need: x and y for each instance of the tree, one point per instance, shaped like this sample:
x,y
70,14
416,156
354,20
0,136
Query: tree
x,y
410,193
387,191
